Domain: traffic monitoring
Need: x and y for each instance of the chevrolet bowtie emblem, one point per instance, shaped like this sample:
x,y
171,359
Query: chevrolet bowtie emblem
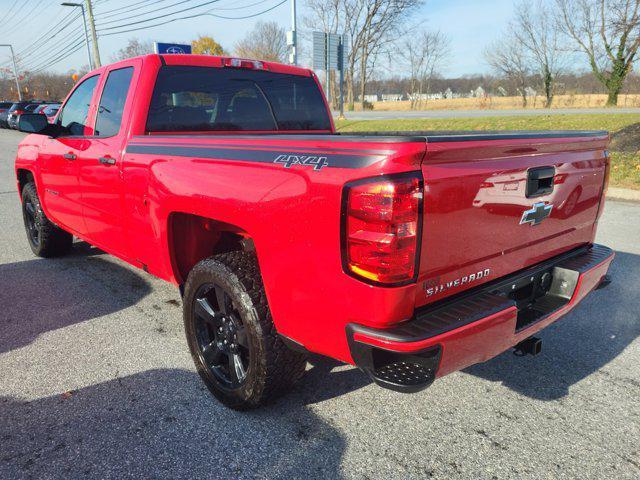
x,y
537,214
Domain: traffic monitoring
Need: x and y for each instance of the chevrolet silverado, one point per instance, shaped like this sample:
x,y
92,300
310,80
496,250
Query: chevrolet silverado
x,y
410,255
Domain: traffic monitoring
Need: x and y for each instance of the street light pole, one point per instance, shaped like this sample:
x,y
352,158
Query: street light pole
x,y
15,68
86,33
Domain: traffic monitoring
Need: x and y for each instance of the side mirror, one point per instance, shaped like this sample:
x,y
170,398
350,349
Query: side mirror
x,y
37,123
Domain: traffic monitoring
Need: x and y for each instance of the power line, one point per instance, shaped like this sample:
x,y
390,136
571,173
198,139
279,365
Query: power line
x,y
53,28
242,6
146,3
247,16
74,44
207,13
42,41
25,19
45,67
162,16
8,14
36,63
126,6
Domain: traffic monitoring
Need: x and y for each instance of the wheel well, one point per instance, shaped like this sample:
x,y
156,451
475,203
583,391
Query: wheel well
x,y
193,238
24,177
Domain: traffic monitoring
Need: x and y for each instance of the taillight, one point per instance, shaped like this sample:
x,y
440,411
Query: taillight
x,y
382,221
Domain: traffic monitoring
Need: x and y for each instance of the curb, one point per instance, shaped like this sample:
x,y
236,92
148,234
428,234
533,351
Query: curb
x,y
624,194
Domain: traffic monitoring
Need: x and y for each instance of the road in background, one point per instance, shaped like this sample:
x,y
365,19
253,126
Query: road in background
x,y
391,115
96,381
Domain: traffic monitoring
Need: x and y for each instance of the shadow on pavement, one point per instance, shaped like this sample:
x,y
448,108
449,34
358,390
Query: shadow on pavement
x,y
40,295
162,424
578,345
322,382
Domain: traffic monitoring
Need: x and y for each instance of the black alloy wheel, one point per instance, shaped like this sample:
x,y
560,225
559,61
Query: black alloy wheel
x,y
234,343
32,222
45,238
221,336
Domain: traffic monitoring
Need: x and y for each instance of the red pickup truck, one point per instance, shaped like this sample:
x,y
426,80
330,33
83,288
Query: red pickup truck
x,y
410,255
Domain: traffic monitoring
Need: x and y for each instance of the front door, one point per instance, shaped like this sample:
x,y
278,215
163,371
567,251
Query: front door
x,y
59,159
100,165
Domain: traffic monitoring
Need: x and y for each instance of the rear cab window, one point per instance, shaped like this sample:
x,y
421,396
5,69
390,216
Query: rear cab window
x,y
113,101
203,99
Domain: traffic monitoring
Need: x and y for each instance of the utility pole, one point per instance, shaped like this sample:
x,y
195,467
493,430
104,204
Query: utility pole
x,y
86,34
294,34
341,71
94,35
327,62
15,68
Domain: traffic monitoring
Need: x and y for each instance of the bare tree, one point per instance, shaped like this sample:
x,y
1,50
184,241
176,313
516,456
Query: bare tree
x,y
424,53
508,59
380,20
369,25
535,29
133,48
267,41
608,32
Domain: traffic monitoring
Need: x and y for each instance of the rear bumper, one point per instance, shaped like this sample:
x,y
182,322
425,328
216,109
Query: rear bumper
x,y
477,325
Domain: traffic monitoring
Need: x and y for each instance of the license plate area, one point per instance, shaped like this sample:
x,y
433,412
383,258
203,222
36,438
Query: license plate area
x,y
539,294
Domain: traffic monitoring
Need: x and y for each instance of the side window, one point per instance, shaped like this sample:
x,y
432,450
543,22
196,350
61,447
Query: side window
x,y
75,112
114,97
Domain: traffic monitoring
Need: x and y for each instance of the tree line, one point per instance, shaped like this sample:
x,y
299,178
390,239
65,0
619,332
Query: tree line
x,y
545,38
540,48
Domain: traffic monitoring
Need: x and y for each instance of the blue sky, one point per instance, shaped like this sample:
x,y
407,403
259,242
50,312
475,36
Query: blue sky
x,y
470,24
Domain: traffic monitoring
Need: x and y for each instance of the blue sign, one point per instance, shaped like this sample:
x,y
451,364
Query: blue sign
x,y
171,48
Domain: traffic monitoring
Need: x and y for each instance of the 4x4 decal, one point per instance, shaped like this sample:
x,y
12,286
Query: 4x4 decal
x,y
318,163
343,159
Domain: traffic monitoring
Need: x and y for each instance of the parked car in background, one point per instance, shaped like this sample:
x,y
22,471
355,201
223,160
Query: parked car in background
x,y
17,108
4,113
50,110
4,106
40,108
14,114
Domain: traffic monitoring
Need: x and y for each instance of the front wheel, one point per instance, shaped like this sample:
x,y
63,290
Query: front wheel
x,y
231,335
45,238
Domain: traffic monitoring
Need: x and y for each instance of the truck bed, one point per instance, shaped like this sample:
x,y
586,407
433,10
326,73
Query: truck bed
x,y
475,189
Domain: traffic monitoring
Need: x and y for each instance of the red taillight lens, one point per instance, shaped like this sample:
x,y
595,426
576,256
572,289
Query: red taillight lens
x,y
382,220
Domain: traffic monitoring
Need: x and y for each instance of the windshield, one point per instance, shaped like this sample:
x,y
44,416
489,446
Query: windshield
x,y
225,99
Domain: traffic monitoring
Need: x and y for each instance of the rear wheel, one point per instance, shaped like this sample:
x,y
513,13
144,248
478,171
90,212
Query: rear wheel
x,y
45,238
231,335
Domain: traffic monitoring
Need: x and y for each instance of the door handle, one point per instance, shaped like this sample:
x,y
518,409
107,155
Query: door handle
x,y
540,181
70,156
107,161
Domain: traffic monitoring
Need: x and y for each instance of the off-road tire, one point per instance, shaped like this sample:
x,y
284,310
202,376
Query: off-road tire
x,y
273,367
45,238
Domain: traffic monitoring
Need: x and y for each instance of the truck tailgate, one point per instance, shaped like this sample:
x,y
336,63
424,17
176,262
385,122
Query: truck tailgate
x,y
481,222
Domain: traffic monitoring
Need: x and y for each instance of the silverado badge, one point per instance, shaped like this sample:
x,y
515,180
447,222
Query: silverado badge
x,y
537,214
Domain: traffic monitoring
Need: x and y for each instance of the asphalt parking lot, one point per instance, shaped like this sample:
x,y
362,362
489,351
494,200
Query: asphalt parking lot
x,y
96,381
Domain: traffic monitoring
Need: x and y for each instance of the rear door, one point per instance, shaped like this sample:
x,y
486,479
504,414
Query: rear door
x,y
493,207
100,165
59,159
